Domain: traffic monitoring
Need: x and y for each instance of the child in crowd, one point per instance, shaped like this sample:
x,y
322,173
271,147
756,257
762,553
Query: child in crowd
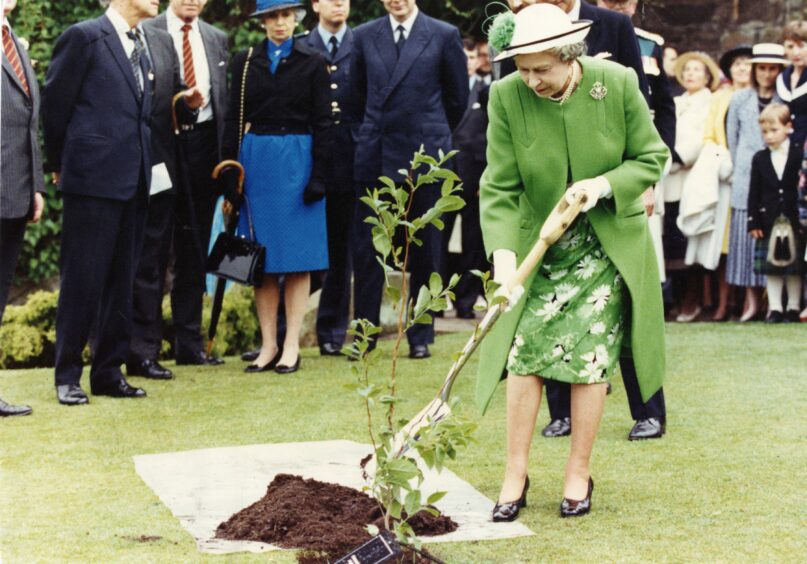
x,y
773,213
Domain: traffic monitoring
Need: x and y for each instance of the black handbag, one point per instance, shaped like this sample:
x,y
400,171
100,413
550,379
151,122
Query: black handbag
x,y
237,258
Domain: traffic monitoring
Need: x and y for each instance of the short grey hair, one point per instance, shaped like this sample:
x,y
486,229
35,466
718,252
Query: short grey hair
x,y
568,53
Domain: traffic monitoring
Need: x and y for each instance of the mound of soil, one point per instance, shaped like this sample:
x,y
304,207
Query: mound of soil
x,y
325,520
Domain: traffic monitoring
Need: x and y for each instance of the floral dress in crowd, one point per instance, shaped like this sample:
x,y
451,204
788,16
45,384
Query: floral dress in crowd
x,y
573,321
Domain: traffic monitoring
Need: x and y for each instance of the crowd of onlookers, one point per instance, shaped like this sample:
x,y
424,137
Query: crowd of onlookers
x,y
138,108
734,208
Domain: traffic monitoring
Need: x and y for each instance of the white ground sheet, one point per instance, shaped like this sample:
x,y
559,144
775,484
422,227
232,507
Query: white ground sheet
x,y
203,488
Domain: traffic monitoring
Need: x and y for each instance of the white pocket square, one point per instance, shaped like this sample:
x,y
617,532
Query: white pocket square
x,y
476,106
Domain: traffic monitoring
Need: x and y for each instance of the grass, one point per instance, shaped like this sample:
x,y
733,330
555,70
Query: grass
x,y
725,484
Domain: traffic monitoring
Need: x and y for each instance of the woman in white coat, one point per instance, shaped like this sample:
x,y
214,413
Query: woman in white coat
x,y
699,75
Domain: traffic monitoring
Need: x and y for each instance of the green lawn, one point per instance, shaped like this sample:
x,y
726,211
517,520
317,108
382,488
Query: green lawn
x,y
725,484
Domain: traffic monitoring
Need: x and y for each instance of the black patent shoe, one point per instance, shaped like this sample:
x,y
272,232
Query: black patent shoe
x,y
650,428
503,512
284,369
250,356
576,508
266,367
558,428
775,317
148,368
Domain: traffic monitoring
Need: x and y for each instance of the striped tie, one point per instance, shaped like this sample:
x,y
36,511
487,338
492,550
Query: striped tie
x,y
187,57
14,58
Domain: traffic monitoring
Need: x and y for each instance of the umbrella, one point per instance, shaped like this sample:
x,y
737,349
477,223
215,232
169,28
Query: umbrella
x,y
230,222
438,409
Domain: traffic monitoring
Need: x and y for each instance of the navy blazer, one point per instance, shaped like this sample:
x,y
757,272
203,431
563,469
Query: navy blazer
x,y
96,127
345,128
613,33
769,197
408,101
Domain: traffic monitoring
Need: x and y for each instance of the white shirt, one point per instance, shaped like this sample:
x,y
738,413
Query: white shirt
x,y
200,67
122,28
779,158
326,36
407,24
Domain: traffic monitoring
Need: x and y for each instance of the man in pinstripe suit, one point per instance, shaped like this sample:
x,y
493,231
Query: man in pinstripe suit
x,y
21,177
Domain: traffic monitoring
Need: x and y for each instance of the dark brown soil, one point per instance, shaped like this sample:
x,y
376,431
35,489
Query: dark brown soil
x,y
325,520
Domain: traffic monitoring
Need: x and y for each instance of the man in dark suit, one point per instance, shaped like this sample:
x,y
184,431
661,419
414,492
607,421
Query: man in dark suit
x,y
649,417
96,111
470,139
21,178
411,88
184,213
334,39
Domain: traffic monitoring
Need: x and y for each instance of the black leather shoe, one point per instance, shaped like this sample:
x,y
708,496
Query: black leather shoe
x,y
419,351
330,349
576,508
792,316
119,389
283,369
466,314
650,428
198,358
8,410
148,369
509,511
775,317
71,394
252,368
558,428
250,356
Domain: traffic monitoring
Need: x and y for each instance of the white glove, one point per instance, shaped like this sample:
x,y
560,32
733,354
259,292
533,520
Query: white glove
x,y
593,188
504,269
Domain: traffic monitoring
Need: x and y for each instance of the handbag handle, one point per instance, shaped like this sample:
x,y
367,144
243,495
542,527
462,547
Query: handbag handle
x,y
243,94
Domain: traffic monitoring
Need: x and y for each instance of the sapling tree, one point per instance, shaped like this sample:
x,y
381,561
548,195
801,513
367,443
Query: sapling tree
x,y
396,479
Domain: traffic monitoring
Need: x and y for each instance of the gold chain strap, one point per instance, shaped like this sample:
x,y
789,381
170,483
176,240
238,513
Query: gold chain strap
x,y
243,90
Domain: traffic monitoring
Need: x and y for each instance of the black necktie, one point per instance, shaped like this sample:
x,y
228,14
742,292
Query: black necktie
x,y
139,60
334,45
399,44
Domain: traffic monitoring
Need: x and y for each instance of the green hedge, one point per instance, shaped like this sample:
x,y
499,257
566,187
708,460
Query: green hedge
x,y
28,333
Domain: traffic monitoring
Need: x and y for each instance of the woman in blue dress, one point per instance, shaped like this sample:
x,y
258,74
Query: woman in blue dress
x,y
279,126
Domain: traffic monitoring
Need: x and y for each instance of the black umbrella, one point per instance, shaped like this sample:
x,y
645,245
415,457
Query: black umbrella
x,y
230,224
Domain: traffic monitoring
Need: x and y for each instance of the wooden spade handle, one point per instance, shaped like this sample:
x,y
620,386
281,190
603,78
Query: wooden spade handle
x,y
227,164
556,224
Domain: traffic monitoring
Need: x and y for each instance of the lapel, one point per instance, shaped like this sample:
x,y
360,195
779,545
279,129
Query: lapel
x,y
768,170
113,43
385,44
793,164
314,40
418,38
345,47
211,54
23,61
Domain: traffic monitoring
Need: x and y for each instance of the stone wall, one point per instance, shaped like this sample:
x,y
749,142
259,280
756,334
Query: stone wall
x,y
716,25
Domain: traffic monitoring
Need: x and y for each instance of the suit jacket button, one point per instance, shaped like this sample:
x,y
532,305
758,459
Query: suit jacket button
x,y
334,104
334,68
334,86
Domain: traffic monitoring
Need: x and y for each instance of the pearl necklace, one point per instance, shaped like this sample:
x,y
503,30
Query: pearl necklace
x,y
569,89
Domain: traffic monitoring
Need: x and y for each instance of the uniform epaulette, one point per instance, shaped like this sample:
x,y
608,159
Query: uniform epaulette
x,y
656,38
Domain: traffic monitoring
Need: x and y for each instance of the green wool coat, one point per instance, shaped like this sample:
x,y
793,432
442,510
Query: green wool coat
x,y
533,145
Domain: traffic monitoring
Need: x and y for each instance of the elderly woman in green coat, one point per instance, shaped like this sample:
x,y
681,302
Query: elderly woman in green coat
x,y
562,125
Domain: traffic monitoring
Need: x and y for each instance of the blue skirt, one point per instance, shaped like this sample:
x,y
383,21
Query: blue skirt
x,y
295,234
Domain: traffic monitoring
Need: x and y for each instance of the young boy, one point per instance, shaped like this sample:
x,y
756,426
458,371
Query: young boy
x,y
773,199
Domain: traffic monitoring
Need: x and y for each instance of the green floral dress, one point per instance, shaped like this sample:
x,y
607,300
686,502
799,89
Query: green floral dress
x,y
574,318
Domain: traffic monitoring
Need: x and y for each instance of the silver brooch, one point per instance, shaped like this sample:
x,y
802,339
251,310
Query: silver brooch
x,y
598,91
